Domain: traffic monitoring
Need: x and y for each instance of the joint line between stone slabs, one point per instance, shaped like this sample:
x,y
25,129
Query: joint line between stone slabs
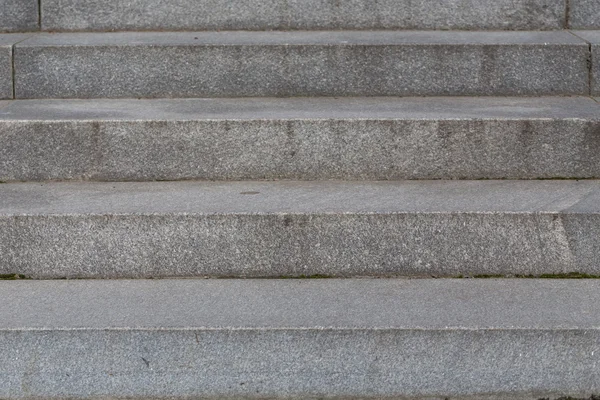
x,y
40,15
567,14
12,62
12,69
590,61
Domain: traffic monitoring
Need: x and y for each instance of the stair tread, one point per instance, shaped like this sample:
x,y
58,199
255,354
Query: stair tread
x,y
434,304
9,39
298,197
303,108
341,38
592,36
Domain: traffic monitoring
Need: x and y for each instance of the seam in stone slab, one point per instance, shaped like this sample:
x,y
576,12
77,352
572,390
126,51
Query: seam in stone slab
x,y
567,14
591,69
12,69
590,61
12,60
40,15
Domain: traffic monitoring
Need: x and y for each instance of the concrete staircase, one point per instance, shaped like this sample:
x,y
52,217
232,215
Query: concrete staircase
x,y
366,162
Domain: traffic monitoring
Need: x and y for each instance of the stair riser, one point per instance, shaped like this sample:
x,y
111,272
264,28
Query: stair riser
x,y
6,78
299,149
300,70
111,15
417,244
297,364
19,15
584,14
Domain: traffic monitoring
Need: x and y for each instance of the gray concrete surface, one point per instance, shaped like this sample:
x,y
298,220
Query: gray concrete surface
x,y
584,14
350,63
7,40
299,339
271,229
300,138
19,15
593,37
107,15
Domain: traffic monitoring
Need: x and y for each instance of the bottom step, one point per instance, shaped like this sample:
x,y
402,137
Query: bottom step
x,y
366,338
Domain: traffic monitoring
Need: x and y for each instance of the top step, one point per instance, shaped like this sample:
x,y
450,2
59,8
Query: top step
x,y
194,15
108,15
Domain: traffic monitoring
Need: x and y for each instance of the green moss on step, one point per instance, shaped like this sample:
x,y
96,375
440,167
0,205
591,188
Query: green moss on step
x,y
11,277
593,397
316,276
568,275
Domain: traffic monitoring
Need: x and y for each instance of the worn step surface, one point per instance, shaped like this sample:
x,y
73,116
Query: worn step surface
x,y
307,14
273,229
343,63
517,339
300,138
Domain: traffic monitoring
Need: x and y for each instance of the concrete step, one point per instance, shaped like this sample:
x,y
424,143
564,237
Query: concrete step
x,y
300,138
342,63
108,15
275,229
434,339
